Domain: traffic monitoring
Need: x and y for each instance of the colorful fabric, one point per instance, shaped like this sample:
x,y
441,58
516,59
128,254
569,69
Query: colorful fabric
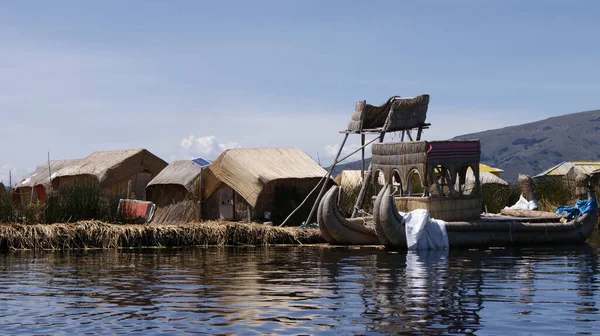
x,y
452,150
580,208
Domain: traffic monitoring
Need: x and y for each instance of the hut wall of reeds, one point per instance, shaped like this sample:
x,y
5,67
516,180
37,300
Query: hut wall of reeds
x,y
261,183
349,179
113,171
177,182
38,181
176,192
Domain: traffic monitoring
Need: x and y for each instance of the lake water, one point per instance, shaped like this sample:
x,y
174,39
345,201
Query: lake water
x,y
301,290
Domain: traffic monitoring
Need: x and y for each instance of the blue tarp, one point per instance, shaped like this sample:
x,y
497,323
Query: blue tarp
x,y
580,208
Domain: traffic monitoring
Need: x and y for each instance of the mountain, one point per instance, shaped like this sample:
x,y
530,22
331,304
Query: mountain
x,y
534,147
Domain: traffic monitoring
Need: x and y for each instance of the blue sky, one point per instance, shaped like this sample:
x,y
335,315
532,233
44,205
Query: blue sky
x,y
190,78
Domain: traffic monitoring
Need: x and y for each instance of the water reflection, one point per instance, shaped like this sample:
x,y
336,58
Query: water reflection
x,y
291,290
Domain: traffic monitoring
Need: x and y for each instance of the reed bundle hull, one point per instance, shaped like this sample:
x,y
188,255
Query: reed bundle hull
x,y
491,231
338,230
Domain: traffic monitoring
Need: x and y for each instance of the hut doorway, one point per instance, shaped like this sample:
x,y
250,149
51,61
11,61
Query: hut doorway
x,y
141,181
226,203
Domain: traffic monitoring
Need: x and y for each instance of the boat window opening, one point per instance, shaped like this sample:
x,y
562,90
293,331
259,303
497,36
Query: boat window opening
x,y
443,185
379,181
415,184
465,181
397,182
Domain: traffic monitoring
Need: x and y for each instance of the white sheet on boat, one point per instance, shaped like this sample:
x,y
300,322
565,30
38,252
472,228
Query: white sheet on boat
x,y
524,204
423,232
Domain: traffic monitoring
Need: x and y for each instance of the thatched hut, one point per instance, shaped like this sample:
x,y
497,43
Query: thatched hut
x,y
349,179
259,184
485,178
177,182
560,171
176,191
35,186
577,170
114,171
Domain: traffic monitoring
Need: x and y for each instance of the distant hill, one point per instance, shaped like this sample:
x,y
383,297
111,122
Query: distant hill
x,y
534,147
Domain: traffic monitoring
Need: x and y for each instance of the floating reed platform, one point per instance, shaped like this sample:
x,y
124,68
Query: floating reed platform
x,y
96,234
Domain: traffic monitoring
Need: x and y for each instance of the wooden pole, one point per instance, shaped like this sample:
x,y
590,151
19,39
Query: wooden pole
x,y
419,133
128,188
325,180
363,189
362,157
49,171
200,199
326,177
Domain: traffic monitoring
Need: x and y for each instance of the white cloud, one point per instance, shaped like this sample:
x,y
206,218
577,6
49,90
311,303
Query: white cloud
x,y
229,145
332,150
187,143
206,145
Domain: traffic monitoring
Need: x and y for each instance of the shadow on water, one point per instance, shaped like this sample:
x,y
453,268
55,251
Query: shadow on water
x,y
290,290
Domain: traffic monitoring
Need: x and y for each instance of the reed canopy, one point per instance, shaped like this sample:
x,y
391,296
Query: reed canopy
x,y
397,113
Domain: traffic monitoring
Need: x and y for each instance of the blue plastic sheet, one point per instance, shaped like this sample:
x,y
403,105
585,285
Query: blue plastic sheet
x,y
580,208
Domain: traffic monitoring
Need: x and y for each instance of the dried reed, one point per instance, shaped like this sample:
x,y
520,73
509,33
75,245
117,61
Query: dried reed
x,y
96,234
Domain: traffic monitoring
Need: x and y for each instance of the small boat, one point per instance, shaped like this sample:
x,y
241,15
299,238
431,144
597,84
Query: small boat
x,y
337,229
472,229
487,231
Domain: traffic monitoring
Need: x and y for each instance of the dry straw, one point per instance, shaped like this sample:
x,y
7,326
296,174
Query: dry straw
x,y
96,234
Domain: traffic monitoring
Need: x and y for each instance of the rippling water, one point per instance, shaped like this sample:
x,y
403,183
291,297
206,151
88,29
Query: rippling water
x,y
301,290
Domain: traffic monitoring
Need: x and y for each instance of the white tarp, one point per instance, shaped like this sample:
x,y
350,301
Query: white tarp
x,y
423,232
524,204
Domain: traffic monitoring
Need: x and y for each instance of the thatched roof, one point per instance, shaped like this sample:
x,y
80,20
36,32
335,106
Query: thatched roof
x,y
349,178
112,166
247,171
489,169
399,113
484,178
561,169
41,174
183,173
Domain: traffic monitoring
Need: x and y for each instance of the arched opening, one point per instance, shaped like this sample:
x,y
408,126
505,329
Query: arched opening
x,y
442,182
466,181
397,182
415,183
378,181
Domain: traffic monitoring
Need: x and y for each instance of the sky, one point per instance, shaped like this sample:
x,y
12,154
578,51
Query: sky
x,y
191,78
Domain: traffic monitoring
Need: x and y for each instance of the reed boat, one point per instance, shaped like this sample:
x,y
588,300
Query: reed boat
x,y
441,177
498,230
338,230
443,170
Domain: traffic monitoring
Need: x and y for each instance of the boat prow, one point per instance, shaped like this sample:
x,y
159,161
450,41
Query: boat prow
x,y
389,224
339,230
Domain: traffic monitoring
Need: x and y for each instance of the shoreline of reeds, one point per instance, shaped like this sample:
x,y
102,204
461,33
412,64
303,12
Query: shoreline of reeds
x,y
97,234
